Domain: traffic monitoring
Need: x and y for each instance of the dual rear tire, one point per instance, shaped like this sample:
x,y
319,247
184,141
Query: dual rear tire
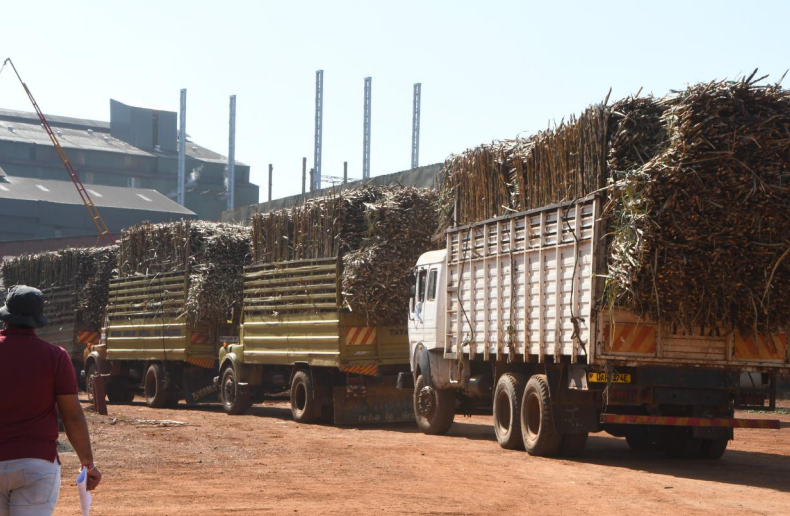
x,y
523,418
158,389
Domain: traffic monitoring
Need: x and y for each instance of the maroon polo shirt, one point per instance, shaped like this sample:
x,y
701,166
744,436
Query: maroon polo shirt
x,y
32,373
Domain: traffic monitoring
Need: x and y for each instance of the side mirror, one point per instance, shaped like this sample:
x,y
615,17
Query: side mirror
x,y
412,290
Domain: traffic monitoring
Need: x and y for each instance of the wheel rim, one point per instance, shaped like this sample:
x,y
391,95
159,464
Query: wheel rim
x,y
300,397
150,385
502,411
533,415
89,382
426,403
229,391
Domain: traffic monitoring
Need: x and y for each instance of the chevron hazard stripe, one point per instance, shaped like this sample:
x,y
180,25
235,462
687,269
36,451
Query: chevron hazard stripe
x,y
199,338
637,339
88,337
764,347
206,363
616,419
360,336
364,370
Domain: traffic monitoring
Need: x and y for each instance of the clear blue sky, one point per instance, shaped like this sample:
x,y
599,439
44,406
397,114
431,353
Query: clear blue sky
x,y
489,70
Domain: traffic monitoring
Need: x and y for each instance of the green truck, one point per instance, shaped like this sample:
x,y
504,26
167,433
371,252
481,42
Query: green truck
x,y
297,336
147,342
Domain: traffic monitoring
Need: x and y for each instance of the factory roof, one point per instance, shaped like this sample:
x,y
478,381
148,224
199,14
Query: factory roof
x,y
63,192
85,134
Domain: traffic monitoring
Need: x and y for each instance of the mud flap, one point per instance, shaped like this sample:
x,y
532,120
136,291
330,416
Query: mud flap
x,y
376,404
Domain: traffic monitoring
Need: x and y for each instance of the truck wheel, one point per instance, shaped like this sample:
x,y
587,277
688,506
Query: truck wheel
x,y
537,424
156,394
434,409
713,449
234,401
573,444
507,406
91,372
302,398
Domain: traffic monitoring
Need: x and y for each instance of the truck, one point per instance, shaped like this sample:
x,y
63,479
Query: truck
x,y
296,336
509,315
66,328
148,344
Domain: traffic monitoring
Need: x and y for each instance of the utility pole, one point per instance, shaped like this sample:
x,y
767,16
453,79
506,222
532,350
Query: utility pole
x,y
270,181
415,127
345,172
315,180
182,137
366,129
232,153
304,173
312,179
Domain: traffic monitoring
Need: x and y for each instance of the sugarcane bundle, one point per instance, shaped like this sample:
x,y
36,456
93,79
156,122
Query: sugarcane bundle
x,y
701,232
84,271
211,254
377,232
559,164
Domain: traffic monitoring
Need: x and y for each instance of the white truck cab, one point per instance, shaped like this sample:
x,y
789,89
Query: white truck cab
x,y
426,304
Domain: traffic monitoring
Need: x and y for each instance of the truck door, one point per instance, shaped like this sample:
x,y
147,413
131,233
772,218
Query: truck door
x,y
430,307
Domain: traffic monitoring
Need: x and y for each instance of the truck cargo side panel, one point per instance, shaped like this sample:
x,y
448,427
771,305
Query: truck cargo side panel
x,y
522,287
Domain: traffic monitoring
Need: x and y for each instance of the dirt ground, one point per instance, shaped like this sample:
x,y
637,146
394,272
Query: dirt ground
x,y
265,463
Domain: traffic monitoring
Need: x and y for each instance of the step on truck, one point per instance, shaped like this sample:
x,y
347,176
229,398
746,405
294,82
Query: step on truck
x,y
508,316
297,337
148,344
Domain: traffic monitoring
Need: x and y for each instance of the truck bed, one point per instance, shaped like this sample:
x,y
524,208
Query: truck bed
x,y
528,287
293,313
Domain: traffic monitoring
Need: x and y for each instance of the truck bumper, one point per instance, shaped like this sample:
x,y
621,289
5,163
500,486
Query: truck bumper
x,y
617,419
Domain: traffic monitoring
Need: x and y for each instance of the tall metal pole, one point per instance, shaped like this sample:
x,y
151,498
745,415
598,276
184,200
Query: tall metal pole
x,y
366,128
345,172
415,127
232,154
312,175
304,173
270,181
315,181
182,137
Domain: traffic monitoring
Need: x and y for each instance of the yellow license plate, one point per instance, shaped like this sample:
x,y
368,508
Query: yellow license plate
x,y
602,378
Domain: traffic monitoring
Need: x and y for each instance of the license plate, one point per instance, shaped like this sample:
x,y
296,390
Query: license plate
x,y
602,378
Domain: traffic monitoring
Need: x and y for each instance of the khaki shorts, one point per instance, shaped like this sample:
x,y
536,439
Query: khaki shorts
x,y
29,487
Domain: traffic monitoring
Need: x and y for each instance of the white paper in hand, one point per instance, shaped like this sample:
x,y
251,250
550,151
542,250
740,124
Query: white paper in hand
x,y
85,496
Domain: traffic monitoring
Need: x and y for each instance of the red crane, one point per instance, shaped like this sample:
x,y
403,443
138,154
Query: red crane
x,y
104,232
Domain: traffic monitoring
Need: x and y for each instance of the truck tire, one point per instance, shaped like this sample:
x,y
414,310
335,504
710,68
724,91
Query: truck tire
x,y
434,409
302,398
573,444
234,401
537,423
507,408
713,449
92,371
157,395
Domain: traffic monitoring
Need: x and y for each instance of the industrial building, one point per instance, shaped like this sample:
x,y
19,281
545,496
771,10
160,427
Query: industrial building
x,y
136,149
48,214
419,177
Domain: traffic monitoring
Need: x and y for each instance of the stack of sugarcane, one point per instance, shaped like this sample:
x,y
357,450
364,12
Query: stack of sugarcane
x,y
563,163
701,231
378,233
86,271
697,186
212,254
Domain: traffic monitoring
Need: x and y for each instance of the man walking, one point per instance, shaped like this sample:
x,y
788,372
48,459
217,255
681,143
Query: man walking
x,y
35,377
